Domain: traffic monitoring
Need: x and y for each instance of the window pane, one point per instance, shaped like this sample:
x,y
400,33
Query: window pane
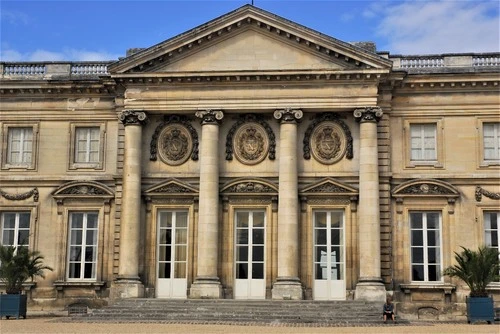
x,y
165,236
258,253
9,220
89,254
321,271
320,220
258,236
8,237
165,219
76,220
433,220
181,236
75,253
89,270
23,237
165,253
258,270
336,237
416,220
242,236
242,253
417,238
91,237
258,219
74,270
417,255
336,220
242,219
180,253
24,220
433,238
434,273
180,270
320,254
181,219
242,270
433,255
418,273
320,236
76,237
164,270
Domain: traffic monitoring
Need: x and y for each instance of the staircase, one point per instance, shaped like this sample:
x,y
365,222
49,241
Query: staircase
x,y
319,313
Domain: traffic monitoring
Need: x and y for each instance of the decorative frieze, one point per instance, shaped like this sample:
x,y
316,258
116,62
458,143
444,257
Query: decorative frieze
x,y
82,190
328,138
480,192
210,116
22,196
175,140
368,114
250,187
426,189
79,188
132,117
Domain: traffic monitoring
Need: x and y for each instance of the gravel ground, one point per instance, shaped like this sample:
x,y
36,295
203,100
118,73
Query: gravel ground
x,y
60,325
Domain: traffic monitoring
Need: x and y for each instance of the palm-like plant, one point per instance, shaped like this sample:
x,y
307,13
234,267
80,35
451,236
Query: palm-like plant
x,y
476,268
16,267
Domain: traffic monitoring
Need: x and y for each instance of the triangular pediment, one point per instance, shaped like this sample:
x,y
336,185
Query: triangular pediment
x,y
171,187
329,186
249,39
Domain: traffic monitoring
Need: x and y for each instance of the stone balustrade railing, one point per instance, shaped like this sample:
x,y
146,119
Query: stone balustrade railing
x,y
53,70
445,61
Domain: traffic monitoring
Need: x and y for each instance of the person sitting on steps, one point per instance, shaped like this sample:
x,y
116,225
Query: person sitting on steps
x,y
389,311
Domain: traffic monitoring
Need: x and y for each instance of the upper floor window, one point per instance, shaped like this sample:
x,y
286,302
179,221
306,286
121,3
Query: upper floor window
x,y
82,245
425,231
87,146
19,144
423,141
491,141
15,229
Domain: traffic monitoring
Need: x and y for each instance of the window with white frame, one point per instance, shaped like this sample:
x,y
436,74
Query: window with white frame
x,y
87,144
20,146
491,230
82,245
423,142
491,141
425,235
15,229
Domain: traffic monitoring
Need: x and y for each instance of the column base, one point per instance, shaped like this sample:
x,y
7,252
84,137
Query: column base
x,y
370,289
127,288
287,288
206,288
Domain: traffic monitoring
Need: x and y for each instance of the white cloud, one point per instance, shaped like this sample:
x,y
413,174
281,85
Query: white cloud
x,y
14,17
68,54
425,27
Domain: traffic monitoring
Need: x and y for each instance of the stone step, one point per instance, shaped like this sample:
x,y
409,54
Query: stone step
x,y
264,311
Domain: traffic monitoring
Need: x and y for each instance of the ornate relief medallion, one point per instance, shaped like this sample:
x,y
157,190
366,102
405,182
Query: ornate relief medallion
x,y
174,144
328,143
250,143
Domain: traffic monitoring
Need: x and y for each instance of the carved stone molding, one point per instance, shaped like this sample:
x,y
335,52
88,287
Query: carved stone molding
x,y
425,188
328,188
172,188
368,114
288,115
480,192
328,138
133,117
240,135
83,190
210,116
183,123
250,187
19,197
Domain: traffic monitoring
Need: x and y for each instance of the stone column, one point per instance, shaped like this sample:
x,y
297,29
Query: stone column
x,y
128,284
287,285
370,286
207,283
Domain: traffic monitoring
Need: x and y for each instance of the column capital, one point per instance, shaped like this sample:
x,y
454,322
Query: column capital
x,y
133,117
288,115
368,114
209,116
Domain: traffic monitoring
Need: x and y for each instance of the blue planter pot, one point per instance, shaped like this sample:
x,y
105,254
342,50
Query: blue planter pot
x,y
480,309
13,306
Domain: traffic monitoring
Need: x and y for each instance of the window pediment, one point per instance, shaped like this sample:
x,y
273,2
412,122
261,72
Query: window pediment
x,y
250,187
425,188
172,187
329,187
87,189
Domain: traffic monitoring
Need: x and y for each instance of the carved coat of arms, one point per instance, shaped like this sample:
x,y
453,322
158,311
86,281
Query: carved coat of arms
x,y
174,144
250,144
328,143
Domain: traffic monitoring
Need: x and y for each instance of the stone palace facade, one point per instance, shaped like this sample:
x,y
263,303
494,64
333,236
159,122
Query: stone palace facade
x,y
252,158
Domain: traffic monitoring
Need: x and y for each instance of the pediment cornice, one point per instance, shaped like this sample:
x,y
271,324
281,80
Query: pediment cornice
x,y
244,18
425,188
329,187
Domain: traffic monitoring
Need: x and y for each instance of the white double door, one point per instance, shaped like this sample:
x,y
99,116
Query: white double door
x,y
329,255
172,254
250,254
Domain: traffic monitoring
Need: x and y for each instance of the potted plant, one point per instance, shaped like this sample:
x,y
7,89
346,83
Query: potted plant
x,y
477,269
16,267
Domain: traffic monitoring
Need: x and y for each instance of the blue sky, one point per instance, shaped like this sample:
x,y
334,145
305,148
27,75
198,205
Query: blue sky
x,y
104,30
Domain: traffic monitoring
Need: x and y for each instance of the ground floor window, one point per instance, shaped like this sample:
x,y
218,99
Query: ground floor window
x,y
15,229
425,230
491,230
82,245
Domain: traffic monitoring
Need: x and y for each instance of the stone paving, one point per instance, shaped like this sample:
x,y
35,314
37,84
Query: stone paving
x,y
49,324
